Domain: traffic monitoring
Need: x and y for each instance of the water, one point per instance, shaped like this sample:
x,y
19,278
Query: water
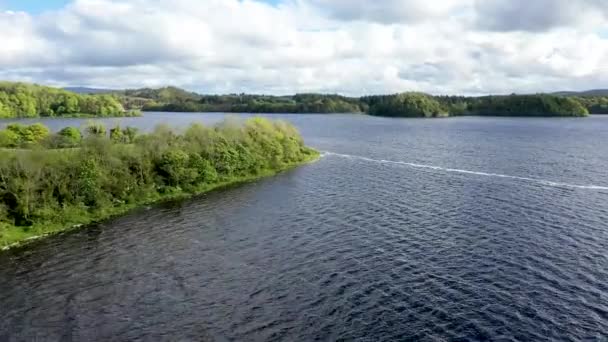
x,y
445,229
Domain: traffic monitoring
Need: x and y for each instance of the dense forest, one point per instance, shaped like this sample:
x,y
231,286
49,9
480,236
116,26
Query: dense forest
x,y
26,100
594,104
410,104
178,100
21,100
423,105
52,181
405,105
514,105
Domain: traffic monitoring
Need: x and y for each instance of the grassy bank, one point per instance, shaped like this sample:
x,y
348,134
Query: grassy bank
x,y
45,191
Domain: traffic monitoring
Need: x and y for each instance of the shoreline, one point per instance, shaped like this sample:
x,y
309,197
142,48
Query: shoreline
x,y
381,116
135,114
57,229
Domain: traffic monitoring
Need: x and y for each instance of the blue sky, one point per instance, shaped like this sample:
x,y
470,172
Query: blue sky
x,y
32,6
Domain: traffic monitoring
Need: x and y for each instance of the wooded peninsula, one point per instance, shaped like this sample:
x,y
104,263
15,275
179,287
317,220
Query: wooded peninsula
x,y
19,100
53,182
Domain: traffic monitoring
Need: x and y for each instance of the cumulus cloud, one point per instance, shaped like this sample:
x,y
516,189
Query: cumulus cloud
x,y
539,15
351,47
389,11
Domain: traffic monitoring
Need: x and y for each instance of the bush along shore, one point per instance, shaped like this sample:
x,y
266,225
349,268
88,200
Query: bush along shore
x,y
51,183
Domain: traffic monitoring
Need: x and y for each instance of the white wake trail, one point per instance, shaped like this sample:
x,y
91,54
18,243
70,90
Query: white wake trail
x,y
485,174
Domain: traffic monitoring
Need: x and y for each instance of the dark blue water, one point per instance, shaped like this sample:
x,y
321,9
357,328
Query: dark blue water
x,y
442,229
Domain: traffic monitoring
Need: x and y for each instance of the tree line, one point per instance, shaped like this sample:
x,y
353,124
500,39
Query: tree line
x,y
409,104
237,103
424,105
18,136
53,181
21,100
26,100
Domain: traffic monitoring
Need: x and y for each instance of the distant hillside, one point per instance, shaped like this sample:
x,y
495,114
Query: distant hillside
x,y
165,94
592,92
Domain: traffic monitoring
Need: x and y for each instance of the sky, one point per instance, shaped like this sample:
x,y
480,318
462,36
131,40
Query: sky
x,y
351,47
32,6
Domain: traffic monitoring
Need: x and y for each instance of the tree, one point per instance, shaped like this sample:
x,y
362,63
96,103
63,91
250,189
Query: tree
x,y
116,135
9,139
96,129
70,137
36,133
130,133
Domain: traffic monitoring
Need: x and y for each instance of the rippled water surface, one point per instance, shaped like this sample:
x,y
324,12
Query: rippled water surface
x,y
453,229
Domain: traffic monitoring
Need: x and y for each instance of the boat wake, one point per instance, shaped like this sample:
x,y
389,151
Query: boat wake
x,y
485,174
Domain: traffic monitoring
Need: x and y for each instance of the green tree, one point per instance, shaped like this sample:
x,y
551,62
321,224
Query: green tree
x,y
9,139
117,135
36,133
96,129
70,137
175,169
130,133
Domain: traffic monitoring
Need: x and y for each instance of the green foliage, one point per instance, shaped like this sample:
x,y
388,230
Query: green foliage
x,y
36,133
18,135
30,100
69,137
422,105
123,136
116,134
410,104
594,104
96,129
406,105
43,189
27,100
515,105
130,133
178,100
9,139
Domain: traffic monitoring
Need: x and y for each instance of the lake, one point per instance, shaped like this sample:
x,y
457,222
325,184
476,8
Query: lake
x,y
406,229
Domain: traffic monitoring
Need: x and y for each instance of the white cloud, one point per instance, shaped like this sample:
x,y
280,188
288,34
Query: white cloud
x,y
540,15
389,11
351,47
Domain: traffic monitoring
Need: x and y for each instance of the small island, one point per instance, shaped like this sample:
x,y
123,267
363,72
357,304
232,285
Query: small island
x,y
55,182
